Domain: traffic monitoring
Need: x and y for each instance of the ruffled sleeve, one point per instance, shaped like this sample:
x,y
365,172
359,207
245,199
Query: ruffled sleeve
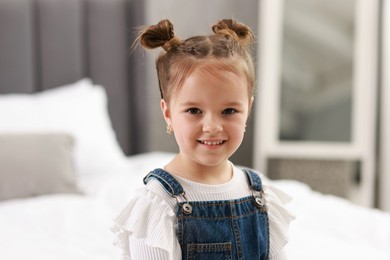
x,y
146,217
279,218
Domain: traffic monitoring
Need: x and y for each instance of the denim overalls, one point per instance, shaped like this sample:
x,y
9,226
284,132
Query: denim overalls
x,y
219,230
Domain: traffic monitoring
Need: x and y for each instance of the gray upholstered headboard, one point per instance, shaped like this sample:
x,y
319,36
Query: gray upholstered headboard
x,y
48,43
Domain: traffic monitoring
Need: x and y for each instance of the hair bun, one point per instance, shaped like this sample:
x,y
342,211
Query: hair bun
x,y
242,33
159,35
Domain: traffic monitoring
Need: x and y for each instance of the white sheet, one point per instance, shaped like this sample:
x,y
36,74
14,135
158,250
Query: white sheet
x,y
78,227
328,227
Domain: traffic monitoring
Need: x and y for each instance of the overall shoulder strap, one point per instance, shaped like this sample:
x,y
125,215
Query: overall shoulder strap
x,y
254,180
170,184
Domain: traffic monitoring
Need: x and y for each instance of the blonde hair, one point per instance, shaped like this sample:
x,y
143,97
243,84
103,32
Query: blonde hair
x,y
228,49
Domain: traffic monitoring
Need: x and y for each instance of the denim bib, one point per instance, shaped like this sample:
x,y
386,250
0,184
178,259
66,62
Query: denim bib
x,y
219,230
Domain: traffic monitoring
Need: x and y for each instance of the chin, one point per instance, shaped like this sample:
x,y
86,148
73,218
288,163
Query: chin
x,y
210,162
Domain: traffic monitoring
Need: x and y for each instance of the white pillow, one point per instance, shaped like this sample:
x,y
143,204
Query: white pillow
x,y
79,109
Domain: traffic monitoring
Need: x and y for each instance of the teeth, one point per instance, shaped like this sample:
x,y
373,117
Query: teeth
x,y
211,143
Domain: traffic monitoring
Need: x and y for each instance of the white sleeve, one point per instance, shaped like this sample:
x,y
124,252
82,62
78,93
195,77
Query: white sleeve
x,y
141,251
280,256
149,222
279,220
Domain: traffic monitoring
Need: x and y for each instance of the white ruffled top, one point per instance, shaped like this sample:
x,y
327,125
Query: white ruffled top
x,y
149,219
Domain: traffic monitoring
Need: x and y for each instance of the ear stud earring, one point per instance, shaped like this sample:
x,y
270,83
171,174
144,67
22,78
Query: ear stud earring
x,y
169,129
244,128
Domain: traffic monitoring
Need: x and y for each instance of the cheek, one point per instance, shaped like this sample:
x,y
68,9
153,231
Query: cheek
x,y
240,121
185,136
238,131
238,128
184,128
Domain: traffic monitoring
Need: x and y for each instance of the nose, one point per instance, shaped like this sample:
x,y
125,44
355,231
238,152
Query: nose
x,y
212,125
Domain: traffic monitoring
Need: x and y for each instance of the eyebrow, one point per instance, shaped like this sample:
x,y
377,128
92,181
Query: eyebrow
x,y
234,103
190,103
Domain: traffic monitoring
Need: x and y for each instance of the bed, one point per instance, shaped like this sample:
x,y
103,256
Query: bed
x,y
71,142
78,227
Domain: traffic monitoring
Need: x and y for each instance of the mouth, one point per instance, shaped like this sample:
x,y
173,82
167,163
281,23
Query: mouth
x,y
212,143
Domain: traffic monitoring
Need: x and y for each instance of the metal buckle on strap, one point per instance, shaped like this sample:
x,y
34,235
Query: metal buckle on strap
x,y
259,198
186,207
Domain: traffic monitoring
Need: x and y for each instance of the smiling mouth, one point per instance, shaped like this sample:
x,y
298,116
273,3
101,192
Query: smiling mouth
x,y
212,142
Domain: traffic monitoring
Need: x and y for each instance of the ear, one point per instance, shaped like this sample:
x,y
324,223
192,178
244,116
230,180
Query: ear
x,y
165,111
251,103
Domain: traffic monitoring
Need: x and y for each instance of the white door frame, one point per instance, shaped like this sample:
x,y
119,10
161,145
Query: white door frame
x,y
362,146
384,167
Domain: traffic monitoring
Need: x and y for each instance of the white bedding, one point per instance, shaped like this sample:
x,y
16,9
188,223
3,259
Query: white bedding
x,y
328,227
76,227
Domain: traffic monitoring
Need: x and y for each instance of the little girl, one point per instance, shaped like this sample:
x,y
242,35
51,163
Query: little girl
x,y
199,205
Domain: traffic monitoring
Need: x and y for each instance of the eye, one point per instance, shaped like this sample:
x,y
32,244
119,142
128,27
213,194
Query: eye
x,y
229,111
194,111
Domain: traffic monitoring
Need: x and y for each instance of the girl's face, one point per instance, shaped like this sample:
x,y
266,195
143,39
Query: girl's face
x,y
208,116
